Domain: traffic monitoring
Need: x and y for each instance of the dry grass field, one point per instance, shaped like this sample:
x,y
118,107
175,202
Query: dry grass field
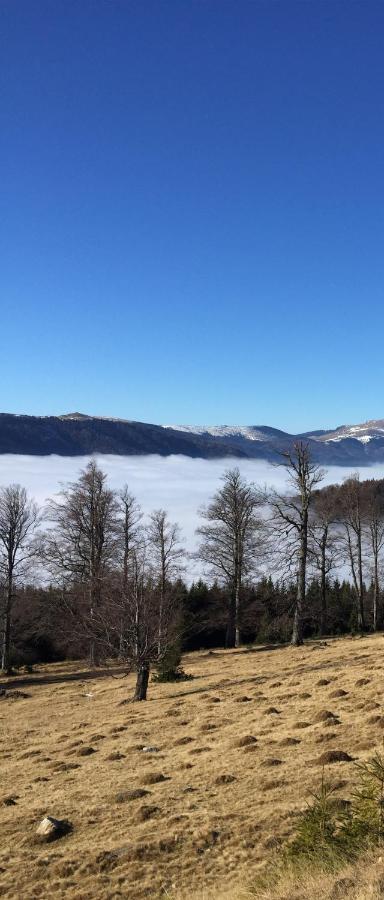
x,y
238,751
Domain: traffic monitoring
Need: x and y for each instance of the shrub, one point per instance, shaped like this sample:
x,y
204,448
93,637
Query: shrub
x,y
333,831
169,668
320,829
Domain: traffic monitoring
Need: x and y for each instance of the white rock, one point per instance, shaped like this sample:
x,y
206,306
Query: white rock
x,y
50,828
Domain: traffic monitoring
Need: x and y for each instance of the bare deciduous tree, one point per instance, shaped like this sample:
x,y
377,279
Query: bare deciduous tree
x,y
18,522
324,545
166,554
351,515
130,540
137,647
290,514
374,515
81,547
231,541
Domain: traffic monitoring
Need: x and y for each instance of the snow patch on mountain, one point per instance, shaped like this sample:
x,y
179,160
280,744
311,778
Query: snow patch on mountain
x,y
363,438
250,432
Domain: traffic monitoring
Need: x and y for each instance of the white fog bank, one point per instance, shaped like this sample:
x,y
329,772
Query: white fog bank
x,y
176,483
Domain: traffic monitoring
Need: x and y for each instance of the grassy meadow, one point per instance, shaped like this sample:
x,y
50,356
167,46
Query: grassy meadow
x,y
231,759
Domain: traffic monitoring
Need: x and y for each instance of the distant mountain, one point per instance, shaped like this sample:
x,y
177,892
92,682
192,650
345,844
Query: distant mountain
x,y
77,434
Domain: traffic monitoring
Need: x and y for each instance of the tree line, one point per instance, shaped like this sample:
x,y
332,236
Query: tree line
x,y
90,576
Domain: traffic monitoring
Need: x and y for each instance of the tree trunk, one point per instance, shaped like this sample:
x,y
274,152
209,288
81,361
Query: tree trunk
x,y
323,614
125,589
142,682
6,642
237,612
376,593
297,630
160,631
360,610
355,581
230,638
94,646
163,578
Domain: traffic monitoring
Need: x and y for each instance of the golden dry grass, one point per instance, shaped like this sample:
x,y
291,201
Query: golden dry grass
x,y
223,806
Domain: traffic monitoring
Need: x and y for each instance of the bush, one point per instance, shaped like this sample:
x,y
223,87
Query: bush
x,y
322,830
333,832
169,668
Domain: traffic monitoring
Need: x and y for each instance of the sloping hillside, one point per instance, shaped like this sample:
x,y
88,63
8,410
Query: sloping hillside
x,y
235,755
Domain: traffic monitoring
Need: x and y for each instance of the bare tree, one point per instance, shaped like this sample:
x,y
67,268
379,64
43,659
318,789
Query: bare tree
x,y
324,546
290,513
18,522
137,647
374,515
351,514
166,554
231,541
130,539
81,546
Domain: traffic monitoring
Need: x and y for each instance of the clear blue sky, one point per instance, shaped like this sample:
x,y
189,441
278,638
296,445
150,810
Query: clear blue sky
x,y
192,210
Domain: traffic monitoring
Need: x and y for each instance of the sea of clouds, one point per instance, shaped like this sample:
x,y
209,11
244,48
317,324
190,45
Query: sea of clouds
x,y
176,483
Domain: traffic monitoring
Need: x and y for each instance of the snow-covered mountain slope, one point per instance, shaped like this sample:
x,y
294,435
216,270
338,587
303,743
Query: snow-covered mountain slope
x,y
365,432
360,444
249,432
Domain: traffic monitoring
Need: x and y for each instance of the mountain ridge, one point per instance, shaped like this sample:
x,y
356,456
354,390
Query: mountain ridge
x,y
78,434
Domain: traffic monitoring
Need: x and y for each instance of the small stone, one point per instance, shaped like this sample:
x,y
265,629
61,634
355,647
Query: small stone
x,y
10,801
51,829
14,695
326,716
150,749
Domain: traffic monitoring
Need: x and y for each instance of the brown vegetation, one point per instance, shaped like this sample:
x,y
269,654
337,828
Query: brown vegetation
x,y
195,815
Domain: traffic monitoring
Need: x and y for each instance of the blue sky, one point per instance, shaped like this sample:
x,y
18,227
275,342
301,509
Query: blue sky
x,y
192,210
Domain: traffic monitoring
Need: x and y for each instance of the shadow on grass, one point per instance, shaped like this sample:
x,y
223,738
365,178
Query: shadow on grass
x,y
62,677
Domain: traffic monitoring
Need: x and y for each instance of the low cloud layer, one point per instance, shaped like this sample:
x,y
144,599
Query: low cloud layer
x,y
176,483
